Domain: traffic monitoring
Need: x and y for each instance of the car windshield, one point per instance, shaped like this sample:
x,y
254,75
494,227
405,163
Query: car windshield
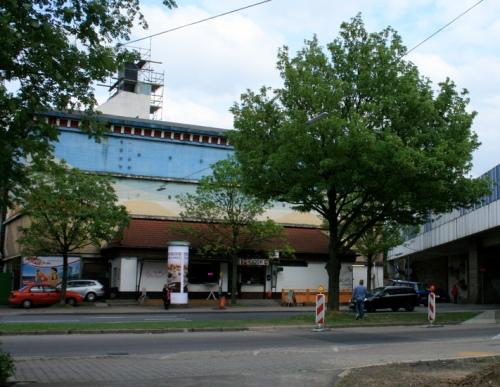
x,y
376,291
23,288
421,286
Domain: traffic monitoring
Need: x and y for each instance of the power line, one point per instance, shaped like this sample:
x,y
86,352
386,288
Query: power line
x,y
193,23
442,28
163,187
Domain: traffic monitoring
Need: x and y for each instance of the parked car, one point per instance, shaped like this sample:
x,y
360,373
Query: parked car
x,y
90,290
392,297
420,288
41,294
442,295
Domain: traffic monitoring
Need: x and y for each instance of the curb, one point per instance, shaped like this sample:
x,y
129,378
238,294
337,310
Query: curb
x,y
327,328
118,331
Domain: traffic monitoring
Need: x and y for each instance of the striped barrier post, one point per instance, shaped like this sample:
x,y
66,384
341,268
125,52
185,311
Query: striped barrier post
x,y
320,311
431,308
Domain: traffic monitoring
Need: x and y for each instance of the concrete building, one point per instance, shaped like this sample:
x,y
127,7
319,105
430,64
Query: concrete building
x,y
461,247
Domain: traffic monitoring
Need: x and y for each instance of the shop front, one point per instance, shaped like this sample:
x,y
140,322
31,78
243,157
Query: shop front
x,y
254,278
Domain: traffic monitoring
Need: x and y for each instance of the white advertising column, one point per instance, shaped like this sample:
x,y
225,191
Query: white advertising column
x,y
177,271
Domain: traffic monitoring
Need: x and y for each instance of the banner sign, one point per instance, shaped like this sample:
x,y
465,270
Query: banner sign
x,y
254,262
48,269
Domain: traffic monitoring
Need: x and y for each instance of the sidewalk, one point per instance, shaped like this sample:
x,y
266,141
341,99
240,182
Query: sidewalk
x,y
132,307
490,313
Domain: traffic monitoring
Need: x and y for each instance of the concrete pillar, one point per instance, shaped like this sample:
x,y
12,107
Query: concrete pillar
x,y
473,274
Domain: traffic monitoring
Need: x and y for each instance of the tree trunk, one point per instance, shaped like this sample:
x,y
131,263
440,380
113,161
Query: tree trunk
x,y
234,279
64,281
333,269
369,262
3,216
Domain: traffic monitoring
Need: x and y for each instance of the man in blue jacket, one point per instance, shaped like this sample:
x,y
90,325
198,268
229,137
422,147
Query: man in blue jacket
x,y
358,296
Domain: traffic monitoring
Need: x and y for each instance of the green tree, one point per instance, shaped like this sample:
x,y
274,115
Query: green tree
x,y
69,210
387,148
52,52
377,240
231,218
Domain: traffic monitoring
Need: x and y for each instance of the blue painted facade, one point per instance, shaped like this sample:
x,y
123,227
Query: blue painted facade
x,y
143,155
121,154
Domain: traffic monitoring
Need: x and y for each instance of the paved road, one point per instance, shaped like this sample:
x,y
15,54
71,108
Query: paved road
x,y
158,316
284,357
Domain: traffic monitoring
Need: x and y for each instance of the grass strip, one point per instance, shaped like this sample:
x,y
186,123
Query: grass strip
x,y
332,319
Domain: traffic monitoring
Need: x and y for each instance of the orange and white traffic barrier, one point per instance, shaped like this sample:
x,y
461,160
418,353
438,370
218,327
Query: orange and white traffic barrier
x,y
320,310
431,308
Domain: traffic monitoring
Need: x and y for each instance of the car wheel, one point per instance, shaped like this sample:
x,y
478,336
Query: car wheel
x,y
395,308
71,301
409,308
91,297
370,309
27,304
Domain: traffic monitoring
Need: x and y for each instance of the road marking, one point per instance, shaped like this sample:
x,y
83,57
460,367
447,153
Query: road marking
x,y
497,337
40,321
476,354
166,319
109,317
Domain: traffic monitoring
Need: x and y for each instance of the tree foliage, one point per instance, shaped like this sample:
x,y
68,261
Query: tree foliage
x,y
389,147
375,241
52,52
69,210
231,217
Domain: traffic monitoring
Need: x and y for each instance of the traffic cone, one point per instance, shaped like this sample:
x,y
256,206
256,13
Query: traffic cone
x,y
222,302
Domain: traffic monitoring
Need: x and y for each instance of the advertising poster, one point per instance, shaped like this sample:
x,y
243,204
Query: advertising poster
x,y
177,271
48,269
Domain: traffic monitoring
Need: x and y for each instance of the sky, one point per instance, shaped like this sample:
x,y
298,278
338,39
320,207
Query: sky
x,y
209,65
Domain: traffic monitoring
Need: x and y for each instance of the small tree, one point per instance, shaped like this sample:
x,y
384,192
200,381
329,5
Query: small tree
x,y
230,216
69,210
377,240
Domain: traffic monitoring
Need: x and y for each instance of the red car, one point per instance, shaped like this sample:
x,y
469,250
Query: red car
x,y
41,294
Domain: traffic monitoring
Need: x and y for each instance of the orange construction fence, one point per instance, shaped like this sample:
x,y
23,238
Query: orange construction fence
x,y
308,296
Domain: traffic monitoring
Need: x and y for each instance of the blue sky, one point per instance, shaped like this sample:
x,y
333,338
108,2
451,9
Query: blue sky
x,y
209,65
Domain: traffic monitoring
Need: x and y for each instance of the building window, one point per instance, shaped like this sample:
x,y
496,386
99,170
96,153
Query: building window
x,y
204,273
253,275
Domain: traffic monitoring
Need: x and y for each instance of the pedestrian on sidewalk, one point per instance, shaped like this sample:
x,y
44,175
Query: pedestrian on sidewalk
x,y
165,295
358,297
454,293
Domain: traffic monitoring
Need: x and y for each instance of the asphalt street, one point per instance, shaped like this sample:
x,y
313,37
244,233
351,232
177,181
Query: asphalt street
x,y
166,316
277,357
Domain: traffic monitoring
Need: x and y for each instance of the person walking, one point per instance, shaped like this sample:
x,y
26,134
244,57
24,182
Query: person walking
x,y
358,297
454,293
165,295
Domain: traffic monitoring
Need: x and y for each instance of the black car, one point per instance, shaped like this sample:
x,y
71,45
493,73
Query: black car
x,y
392,297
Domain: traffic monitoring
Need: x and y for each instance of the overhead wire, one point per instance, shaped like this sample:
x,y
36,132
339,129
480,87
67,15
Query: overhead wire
x,y
443,27
194,23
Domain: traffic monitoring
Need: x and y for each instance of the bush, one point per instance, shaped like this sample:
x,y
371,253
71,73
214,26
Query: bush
x,y
7,367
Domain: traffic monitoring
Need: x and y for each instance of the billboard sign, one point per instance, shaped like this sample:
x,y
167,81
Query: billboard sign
x,y
47,269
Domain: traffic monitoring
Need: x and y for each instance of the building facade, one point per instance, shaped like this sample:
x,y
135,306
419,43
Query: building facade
x,y
152,162
458,248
